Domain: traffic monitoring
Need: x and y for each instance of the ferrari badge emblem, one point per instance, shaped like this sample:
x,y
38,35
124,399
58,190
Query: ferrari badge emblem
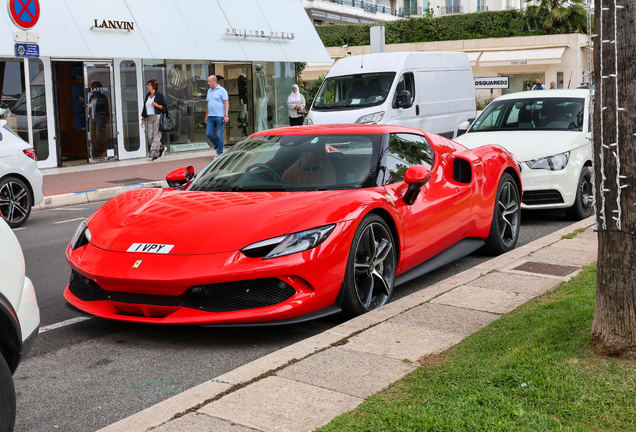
x,y
137,264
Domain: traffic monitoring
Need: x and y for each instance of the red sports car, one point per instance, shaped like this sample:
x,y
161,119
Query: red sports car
x,y
293,224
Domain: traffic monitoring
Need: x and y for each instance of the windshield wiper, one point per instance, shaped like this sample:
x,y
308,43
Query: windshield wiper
x,y
259,188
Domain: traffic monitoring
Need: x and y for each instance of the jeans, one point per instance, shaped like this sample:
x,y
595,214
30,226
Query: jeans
x,y
214,131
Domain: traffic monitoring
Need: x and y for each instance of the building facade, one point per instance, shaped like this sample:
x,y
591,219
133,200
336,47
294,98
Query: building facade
x,y
88,84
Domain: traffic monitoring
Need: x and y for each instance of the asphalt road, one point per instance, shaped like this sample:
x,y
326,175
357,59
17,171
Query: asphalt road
x,y
89,373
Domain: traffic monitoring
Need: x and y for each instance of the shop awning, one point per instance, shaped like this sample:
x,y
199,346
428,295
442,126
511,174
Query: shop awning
x,y
522,57
472,57
174,29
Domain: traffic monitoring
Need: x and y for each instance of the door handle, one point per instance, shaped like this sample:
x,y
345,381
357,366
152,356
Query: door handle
x,y
417,110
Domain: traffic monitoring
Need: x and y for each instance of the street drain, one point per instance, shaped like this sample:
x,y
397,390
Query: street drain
x,y
546,269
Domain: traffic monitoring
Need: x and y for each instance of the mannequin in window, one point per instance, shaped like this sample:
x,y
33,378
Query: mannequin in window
x,y
260,95
242,90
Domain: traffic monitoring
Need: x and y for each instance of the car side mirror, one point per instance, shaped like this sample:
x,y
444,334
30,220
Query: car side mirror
x,y
416,177
404,99
180,176
462,128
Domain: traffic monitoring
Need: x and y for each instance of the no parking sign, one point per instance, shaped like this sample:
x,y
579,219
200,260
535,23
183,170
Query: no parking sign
x,y
24,13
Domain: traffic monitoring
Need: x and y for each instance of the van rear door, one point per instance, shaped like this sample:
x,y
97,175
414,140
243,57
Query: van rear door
x,y
432,97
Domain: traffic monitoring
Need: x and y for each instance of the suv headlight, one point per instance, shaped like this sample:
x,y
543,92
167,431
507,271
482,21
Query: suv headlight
x,y
552,163
290,244
82,235
371,118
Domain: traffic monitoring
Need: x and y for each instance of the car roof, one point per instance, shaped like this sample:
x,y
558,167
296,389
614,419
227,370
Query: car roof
x,y
542,94
338,129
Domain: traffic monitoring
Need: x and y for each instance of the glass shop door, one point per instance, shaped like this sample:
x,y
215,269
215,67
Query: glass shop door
x,y
99,104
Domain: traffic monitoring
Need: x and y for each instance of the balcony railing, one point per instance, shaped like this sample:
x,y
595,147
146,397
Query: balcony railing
x,y
374,8
449,10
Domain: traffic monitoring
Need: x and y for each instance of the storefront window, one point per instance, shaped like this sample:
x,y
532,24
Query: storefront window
x,y
13,107
523,82
129,105
272,85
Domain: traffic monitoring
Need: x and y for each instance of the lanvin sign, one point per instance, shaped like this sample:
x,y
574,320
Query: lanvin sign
x,y
259,34
113,25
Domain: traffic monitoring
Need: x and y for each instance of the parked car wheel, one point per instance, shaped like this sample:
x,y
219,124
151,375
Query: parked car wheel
x,y
506,218
7,398
582,207
15,201
370,274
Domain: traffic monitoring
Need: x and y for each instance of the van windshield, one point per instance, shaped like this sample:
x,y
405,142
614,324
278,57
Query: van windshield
x,y
353,91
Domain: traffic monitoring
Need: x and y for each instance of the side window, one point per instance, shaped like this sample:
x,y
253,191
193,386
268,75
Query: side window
x,y
406,82
406,150
513,116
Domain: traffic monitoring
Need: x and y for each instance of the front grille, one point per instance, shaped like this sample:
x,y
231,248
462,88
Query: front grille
x,y
540,197
221,297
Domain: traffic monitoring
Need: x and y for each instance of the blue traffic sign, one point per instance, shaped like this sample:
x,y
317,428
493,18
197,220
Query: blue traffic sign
x,y
27,50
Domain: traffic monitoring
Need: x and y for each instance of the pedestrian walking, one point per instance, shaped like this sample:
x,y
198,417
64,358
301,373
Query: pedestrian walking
x,y
538,85
154,104
216,113
296,105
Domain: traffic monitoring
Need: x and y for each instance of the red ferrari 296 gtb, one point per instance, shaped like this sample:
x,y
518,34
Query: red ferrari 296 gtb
x,y
293,224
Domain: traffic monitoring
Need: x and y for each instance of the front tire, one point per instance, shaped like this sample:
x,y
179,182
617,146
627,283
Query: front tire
x,y
7,398
582,208
370,275
15,201
506,217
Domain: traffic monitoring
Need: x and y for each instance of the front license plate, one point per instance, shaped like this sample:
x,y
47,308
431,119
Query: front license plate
x,y
150,248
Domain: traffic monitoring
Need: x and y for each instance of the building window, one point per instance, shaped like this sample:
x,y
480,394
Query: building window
x,y
13,107
129,105
559,82
452,7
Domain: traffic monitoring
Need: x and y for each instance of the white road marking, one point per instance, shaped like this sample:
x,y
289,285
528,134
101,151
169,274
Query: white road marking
x,y
18,229
63,324
69,220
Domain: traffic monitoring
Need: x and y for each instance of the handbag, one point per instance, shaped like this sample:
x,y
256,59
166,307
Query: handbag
x,y
166,124
301,111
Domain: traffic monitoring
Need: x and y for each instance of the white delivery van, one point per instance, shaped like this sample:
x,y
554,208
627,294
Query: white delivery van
x,y
432,91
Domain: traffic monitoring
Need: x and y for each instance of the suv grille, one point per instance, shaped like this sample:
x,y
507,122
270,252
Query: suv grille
x,y
540,197
221,297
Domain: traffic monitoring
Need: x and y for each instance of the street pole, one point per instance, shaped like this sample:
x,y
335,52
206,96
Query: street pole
x,y
27,90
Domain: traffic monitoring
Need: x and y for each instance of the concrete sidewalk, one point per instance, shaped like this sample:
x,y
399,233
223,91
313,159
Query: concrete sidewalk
x,y
305,385
80,184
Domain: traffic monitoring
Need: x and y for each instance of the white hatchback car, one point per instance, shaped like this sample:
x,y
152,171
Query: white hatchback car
x,y
19,320
549,134
20,178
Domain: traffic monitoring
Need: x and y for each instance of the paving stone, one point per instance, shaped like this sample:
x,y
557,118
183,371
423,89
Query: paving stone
x,y
197,422
513,282
483,299
346,371
563,256
281,405
402,342
578,243
447,319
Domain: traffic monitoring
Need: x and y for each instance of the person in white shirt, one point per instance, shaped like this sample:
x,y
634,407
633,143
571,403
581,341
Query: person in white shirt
x,y
154,104
538,85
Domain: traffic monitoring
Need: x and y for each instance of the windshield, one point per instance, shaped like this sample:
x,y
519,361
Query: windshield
x,y
291,163
532,114
353,91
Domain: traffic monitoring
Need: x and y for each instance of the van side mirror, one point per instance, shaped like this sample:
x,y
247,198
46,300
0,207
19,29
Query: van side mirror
x,y
180,176
404,99
462,128
416,177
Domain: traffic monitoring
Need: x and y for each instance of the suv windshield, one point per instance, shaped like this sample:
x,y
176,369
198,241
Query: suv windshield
x,y
532,114
292,163
353,91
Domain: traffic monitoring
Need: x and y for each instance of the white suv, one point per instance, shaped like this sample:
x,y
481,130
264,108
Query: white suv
x,y
20,178
19,320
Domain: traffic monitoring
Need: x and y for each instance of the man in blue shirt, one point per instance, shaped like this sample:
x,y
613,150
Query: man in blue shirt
x,y
538,85
216,113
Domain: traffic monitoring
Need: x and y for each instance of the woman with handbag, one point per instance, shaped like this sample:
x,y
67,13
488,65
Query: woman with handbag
x,y
296,105
154,104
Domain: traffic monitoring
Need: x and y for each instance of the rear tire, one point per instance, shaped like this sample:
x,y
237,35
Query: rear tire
x,y
7,398
15,201
582,208
506,217
370,275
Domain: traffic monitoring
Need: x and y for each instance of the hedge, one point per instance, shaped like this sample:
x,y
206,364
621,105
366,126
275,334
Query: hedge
x,y
492,24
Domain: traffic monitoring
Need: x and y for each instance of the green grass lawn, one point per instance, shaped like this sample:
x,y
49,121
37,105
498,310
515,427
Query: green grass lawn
x,y
532,370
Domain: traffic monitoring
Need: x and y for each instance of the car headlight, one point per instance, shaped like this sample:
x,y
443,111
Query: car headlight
x,y
371,118
81,236
552,163
308,121
289,244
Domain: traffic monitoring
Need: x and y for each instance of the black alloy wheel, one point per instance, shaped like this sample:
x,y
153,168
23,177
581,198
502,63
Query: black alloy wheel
x,y
370,275
582,208
15,201
506,218
7,398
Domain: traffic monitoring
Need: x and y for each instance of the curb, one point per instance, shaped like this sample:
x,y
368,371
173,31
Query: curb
x,y
84,197
251,375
